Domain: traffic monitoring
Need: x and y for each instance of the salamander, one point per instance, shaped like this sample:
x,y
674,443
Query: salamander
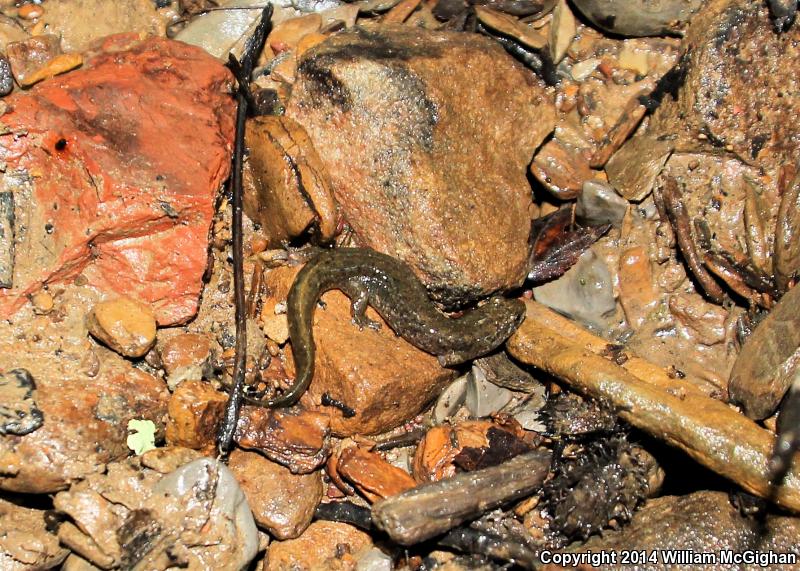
x,y
391,288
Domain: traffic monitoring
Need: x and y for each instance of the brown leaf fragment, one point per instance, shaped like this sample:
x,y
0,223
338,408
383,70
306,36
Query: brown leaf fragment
x,y
503,446
372,475
765,366
787,244
401,12
435,458
556,248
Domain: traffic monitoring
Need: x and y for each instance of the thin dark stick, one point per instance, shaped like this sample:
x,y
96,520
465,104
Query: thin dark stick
x,y
242,72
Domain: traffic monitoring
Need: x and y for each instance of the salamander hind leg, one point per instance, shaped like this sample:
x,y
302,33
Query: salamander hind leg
x,y
359,298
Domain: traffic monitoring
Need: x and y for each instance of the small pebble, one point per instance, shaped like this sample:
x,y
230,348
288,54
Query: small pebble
x,y
125,325
482,398
30,11
276,327
584,69
598,203
184,357
42,302
60,64
6,77
374,560
635,60
450,400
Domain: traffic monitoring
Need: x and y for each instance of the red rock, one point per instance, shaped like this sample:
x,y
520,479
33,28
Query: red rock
x,y
115,169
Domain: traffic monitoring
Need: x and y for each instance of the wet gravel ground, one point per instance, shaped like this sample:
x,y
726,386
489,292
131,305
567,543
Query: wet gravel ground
x,y
627,173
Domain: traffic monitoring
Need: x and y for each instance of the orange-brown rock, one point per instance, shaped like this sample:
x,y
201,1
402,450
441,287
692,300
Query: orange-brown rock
x,y
61,63
427,156
561,169
324,545
287,34
297,439
195,410
80,22
26,543
371,474
85,421
382,377
638,296
282,503
28,56
184,356
468,445
127,326
288,189
168,458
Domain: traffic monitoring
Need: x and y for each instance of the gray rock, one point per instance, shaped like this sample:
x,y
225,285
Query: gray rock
x,y
214,502
702,522
482,397
222,31
585,293
6,235
6,77
639,17
451,399
598,203
19,414
374,560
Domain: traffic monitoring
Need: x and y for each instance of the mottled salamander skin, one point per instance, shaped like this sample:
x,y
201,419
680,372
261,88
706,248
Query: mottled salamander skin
x,y
391,288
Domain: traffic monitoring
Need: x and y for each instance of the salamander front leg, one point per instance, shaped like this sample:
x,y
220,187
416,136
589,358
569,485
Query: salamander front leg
x,y
359,297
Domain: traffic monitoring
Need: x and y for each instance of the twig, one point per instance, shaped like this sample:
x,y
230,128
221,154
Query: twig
x,y
462,539
433,509
708,430
242,71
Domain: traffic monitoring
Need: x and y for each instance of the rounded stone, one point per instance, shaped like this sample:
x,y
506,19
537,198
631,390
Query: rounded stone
x,y
127,326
